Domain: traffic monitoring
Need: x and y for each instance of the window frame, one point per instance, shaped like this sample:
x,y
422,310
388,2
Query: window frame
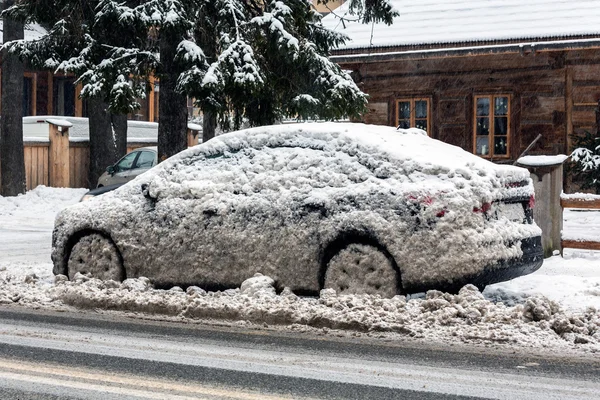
x,y
492,126
412,120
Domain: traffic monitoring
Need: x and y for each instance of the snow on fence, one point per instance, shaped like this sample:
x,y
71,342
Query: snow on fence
x,y
57,149
581,210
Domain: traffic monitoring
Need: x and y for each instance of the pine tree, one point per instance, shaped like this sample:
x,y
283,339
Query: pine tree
x,y
12,159
242,60
72,45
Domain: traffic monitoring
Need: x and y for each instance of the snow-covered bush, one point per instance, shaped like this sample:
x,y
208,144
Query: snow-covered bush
x,y
585,167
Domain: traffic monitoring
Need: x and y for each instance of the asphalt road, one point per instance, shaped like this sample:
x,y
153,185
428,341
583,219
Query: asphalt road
x,y
89,356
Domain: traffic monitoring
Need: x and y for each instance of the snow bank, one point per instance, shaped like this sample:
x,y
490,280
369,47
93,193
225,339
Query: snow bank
x,y
467,317
552,308
40,203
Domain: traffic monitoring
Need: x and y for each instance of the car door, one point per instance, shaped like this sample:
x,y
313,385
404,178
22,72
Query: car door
x,y
145,161
123,168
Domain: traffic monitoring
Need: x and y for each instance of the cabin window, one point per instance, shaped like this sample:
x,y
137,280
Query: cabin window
x,y
492,126
63,96
413,113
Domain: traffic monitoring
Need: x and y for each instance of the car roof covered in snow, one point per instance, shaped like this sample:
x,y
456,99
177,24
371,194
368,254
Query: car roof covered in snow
x,y
410,149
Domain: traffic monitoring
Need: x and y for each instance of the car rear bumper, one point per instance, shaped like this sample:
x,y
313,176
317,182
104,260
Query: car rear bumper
x,y
502,270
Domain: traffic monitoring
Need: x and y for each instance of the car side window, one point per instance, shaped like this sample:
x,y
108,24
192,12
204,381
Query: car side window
x,y
126,162
145,160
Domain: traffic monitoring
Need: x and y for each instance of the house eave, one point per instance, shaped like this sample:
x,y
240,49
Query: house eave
x,y
523,48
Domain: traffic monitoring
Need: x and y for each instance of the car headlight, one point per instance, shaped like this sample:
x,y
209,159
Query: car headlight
x,y
87,197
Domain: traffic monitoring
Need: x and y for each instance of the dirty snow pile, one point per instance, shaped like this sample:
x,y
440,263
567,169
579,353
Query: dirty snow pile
x,y
467,317
270,199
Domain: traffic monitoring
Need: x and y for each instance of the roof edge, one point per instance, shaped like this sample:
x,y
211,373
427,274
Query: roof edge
x,y
522,48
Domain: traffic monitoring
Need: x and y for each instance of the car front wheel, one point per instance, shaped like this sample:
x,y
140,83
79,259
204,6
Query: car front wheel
x,y
361,269
96,256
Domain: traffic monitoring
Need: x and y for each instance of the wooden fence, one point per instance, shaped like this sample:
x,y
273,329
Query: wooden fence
x,y
60,162
588,203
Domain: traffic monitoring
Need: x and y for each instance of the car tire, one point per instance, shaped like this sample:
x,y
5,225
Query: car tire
x,y
361,269
96,256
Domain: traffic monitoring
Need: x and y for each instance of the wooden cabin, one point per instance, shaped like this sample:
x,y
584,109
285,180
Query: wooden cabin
x,y
486,76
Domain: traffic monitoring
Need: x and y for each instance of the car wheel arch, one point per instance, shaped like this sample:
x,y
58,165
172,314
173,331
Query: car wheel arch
x,y
347,237
74,239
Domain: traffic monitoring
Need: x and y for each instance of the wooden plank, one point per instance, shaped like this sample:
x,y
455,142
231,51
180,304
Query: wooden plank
x,y
27,155
586,95
78,101
50,93
72,166
81,173
34,95
582,245
151,94
42,165
47,166
586,72
540,108
584,116
59,157
580,203
377,114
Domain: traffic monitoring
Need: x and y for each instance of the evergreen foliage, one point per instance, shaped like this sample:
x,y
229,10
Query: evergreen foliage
x,y
248,60
585,167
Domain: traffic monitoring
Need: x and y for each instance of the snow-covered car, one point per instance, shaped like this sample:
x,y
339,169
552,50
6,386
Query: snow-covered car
x,y
353,207
129,166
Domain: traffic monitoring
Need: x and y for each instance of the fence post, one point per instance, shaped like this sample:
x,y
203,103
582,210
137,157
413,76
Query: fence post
x,y
193,131
547,175
58,153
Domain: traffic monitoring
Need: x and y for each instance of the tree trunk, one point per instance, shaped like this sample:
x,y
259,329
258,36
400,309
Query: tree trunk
x,y
209,126
172,107
12,159
103,144
119,126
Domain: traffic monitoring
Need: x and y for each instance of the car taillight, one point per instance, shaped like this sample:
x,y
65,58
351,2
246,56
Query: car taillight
x,y
531,202
485,207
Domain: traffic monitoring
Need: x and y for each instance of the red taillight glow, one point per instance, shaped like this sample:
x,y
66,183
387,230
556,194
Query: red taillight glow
x,y
485,207
531,201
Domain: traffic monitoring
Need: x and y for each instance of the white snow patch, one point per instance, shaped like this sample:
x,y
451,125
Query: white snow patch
x,y
540,161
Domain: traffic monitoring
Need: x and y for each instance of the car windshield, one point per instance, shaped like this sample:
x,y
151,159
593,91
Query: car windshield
x,y
126,162
145,160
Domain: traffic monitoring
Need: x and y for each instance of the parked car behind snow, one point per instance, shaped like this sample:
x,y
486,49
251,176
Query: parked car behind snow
x,y
129,166
353,207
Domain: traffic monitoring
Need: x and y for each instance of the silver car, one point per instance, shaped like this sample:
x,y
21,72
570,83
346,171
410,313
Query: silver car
x,y
131,165
358,208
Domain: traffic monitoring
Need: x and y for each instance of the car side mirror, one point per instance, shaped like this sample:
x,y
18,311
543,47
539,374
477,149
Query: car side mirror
x,y
146,191
110,169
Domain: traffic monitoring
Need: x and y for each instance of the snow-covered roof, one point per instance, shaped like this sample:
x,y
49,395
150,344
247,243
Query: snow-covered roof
x,y
32,31
36,128
440,22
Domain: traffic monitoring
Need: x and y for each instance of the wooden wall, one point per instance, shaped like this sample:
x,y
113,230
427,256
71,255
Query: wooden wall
x,y
36,164
79,164
553,93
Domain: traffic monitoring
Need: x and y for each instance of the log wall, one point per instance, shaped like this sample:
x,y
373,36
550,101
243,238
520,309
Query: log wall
x,y
553,93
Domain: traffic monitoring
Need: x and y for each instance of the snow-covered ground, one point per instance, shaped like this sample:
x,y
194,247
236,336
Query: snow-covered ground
x,y
554,308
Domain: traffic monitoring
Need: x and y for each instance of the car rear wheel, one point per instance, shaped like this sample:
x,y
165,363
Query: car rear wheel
x,y
361,269
96,256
